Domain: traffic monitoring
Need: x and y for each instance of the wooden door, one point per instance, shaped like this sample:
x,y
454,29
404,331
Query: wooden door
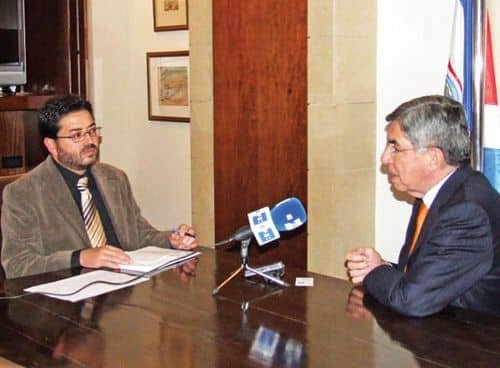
x,y
260,114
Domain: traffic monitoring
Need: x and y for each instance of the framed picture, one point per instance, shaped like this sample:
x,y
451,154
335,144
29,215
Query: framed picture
x,y
168,86
170,15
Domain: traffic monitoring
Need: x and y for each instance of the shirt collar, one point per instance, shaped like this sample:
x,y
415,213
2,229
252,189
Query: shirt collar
x,y
69,176
431,194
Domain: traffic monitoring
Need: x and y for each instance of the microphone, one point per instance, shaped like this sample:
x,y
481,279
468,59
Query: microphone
x,y
289,214
266,224
242,233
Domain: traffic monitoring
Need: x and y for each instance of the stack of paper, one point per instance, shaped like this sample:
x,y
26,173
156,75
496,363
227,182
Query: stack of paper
x,y
86,285
146,261
151,259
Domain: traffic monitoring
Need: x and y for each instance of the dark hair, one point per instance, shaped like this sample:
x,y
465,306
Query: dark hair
x,y
435,121
55,109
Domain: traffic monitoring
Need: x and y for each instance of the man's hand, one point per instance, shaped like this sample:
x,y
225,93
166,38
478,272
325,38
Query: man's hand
x,y
183,238
360,262
106,256
355,307
187,270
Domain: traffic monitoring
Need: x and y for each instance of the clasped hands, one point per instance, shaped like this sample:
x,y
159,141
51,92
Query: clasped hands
x,y
360,262
184,237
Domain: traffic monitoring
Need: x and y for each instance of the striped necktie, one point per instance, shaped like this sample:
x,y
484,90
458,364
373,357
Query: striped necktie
x,y
421,215
91,217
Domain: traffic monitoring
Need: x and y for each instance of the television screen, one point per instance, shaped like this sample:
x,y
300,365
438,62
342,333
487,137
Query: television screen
x,y
12,43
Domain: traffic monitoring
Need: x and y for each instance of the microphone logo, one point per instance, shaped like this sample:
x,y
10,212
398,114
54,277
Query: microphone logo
x,y
267,224
262,226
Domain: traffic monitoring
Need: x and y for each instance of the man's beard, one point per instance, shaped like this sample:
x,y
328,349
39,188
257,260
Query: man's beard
x,y
75,161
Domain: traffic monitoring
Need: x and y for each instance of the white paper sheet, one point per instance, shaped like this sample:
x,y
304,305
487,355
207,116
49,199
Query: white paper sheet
x,y
154,258
71,284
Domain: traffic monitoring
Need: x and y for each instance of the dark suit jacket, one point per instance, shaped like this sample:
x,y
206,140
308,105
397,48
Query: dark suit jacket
x,y
42,225
456,260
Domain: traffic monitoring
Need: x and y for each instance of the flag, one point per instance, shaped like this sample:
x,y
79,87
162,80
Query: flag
x,y
459,83
491,118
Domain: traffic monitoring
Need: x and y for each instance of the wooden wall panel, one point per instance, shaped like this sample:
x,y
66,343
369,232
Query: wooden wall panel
x,y
260,114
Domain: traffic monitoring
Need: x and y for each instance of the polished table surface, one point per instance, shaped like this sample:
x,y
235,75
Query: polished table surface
x,y
172,320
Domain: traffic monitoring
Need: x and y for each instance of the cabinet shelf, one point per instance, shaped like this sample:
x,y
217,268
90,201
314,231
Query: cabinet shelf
x,y
26,102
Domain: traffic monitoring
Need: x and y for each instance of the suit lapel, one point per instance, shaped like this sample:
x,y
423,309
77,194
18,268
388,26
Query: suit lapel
x,y
455,182
447,190
109,188
403,257
60,199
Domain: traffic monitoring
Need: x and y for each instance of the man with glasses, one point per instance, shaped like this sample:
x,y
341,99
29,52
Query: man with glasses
x,y
451,255
72,210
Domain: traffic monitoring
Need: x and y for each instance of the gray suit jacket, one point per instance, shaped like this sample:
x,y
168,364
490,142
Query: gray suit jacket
x,y
42,225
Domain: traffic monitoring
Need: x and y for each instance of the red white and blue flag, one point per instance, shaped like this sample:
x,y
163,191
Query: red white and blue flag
x,y
459,85
491,119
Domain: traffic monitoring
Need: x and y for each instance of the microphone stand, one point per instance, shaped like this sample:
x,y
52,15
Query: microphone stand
x,y
245,243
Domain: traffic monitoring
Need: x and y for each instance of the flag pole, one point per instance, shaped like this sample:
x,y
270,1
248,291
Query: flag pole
x,y
478,85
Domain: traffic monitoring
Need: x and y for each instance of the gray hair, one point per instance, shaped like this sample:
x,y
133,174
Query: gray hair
x,y
435,121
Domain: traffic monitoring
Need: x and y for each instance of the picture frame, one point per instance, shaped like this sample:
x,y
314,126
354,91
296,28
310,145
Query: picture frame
x,y
170,15
168,86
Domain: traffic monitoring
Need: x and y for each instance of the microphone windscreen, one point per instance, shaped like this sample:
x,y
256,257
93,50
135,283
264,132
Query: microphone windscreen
x,y
288,214
242,233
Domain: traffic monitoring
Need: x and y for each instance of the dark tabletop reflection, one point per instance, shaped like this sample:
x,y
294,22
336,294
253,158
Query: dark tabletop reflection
x,y
173,320
86,348
355,306
71,332
74,338
271,349
459,337
187,269
268,346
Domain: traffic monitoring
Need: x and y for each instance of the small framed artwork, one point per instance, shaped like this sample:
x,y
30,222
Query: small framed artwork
x,y
168,86
169,15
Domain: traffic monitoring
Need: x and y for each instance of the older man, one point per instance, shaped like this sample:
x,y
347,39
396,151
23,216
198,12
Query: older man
x,y
451,255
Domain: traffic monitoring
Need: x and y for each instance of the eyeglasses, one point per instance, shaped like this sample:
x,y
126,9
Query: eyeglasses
x,y
79,136
394,150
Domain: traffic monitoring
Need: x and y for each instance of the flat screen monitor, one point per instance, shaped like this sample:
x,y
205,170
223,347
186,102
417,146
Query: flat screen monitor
x,y
12,43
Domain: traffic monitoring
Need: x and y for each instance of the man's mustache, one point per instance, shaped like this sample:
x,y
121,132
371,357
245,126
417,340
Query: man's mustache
x,y
91,145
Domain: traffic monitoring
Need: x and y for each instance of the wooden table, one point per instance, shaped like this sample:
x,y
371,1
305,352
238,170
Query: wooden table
x,y
173,320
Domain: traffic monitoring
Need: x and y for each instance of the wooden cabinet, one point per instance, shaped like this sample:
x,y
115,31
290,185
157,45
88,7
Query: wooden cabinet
x,y
12,150
55,46
56,59
20,145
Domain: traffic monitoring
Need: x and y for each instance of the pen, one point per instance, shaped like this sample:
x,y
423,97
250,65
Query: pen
x,y
186,233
